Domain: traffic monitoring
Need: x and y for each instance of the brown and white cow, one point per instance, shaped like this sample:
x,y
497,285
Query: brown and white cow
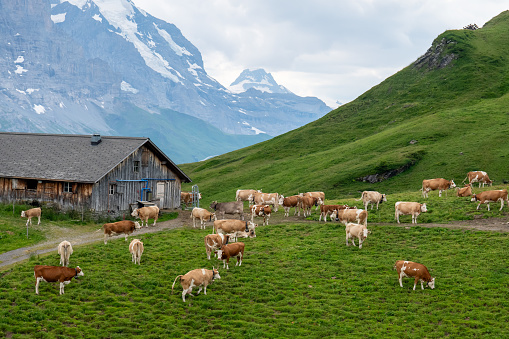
x,y
307,202
124,226
414,270
33,212
235,228
439,184
245,195
203,215
61,274
263,211
187,198
478,176
465,191
409,208
136,250
289,202
356,231
354,215
231,207
199,277
231,250
145,213
266,199
491,196
372,197
64,249
325,210
319,197
214,242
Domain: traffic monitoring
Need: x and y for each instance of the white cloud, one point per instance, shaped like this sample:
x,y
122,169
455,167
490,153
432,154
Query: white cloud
x,y
335,50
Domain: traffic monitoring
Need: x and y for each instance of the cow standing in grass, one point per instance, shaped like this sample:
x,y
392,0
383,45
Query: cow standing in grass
x,y
145,213
199,277
414,270
29,214
64,250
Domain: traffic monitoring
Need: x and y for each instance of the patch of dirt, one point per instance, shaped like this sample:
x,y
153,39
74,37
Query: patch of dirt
x,y
81,237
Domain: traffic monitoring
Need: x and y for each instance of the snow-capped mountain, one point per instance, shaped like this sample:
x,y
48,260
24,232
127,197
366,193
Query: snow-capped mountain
x,y
104,66
257,79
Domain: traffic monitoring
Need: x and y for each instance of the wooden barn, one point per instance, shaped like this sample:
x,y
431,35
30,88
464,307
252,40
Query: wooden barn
x,y
91,172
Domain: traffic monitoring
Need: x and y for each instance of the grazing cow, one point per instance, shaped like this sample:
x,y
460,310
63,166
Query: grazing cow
x,y
235,228
187,198
436,184
409,208
478,176
261,211
325,210
306,202
33,212
203,215
231,250
145,213
372,197
214,242
64,250
319,197
55,273
199,277
266,199
125,226
136,249
356,231
465,191
355,215
412,269
231,207
245,195
491,196
289,202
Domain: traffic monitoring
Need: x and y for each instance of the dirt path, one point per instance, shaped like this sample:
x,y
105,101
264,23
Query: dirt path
x,y
184,220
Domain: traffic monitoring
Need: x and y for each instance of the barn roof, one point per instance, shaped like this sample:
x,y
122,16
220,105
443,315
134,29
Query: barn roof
x,y
69,157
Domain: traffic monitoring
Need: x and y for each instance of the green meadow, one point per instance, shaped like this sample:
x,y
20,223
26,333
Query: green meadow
x,y
296,280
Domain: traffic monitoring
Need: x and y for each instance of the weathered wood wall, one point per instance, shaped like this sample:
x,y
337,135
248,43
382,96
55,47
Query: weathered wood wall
x,y
129,186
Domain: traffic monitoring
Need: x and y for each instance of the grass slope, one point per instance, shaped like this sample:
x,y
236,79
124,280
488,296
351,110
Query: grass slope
x,y
296,280
457,114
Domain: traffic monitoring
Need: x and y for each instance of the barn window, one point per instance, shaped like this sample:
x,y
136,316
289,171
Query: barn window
x,y
113,189
67,187
136,168
31,184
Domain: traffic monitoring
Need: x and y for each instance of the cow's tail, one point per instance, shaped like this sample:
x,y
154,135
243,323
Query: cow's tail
x,y
362,196
178,276
464,180
99,229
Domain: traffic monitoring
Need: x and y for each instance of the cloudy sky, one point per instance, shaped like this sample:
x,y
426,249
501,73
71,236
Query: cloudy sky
x,y
332,49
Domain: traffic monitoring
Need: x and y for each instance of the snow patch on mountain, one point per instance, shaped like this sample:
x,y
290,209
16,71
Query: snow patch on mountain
x,y
256,79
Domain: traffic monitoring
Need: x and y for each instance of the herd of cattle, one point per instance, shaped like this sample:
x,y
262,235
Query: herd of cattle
x,y
223,241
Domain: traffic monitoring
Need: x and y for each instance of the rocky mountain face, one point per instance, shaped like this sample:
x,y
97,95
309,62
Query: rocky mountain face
x,y
104,66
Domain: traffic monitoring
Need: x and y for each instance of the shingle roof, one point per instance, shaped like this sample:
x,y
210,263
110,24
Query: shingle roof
x,y
68,157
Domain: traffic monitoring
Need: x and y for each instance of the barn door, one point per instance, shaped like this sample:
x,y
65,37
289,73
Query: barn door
x,y
160,193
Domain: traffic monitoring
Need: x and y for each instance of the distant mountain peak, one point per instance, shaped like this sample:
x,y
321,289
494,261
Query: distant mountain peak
x,y
257,79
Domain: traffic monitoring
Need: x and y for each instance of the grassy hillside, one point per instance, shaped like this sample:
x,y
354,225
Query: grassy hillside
x,y
457,114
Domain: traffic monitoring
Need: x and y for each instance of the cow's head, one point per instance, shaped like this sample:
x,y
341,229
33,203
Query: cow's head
x,y
423,208
135,213
79,272
384,198
452,184
137,225
213,205
281,199
23,215
213,217
474,197
431,283
215,274
365,233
